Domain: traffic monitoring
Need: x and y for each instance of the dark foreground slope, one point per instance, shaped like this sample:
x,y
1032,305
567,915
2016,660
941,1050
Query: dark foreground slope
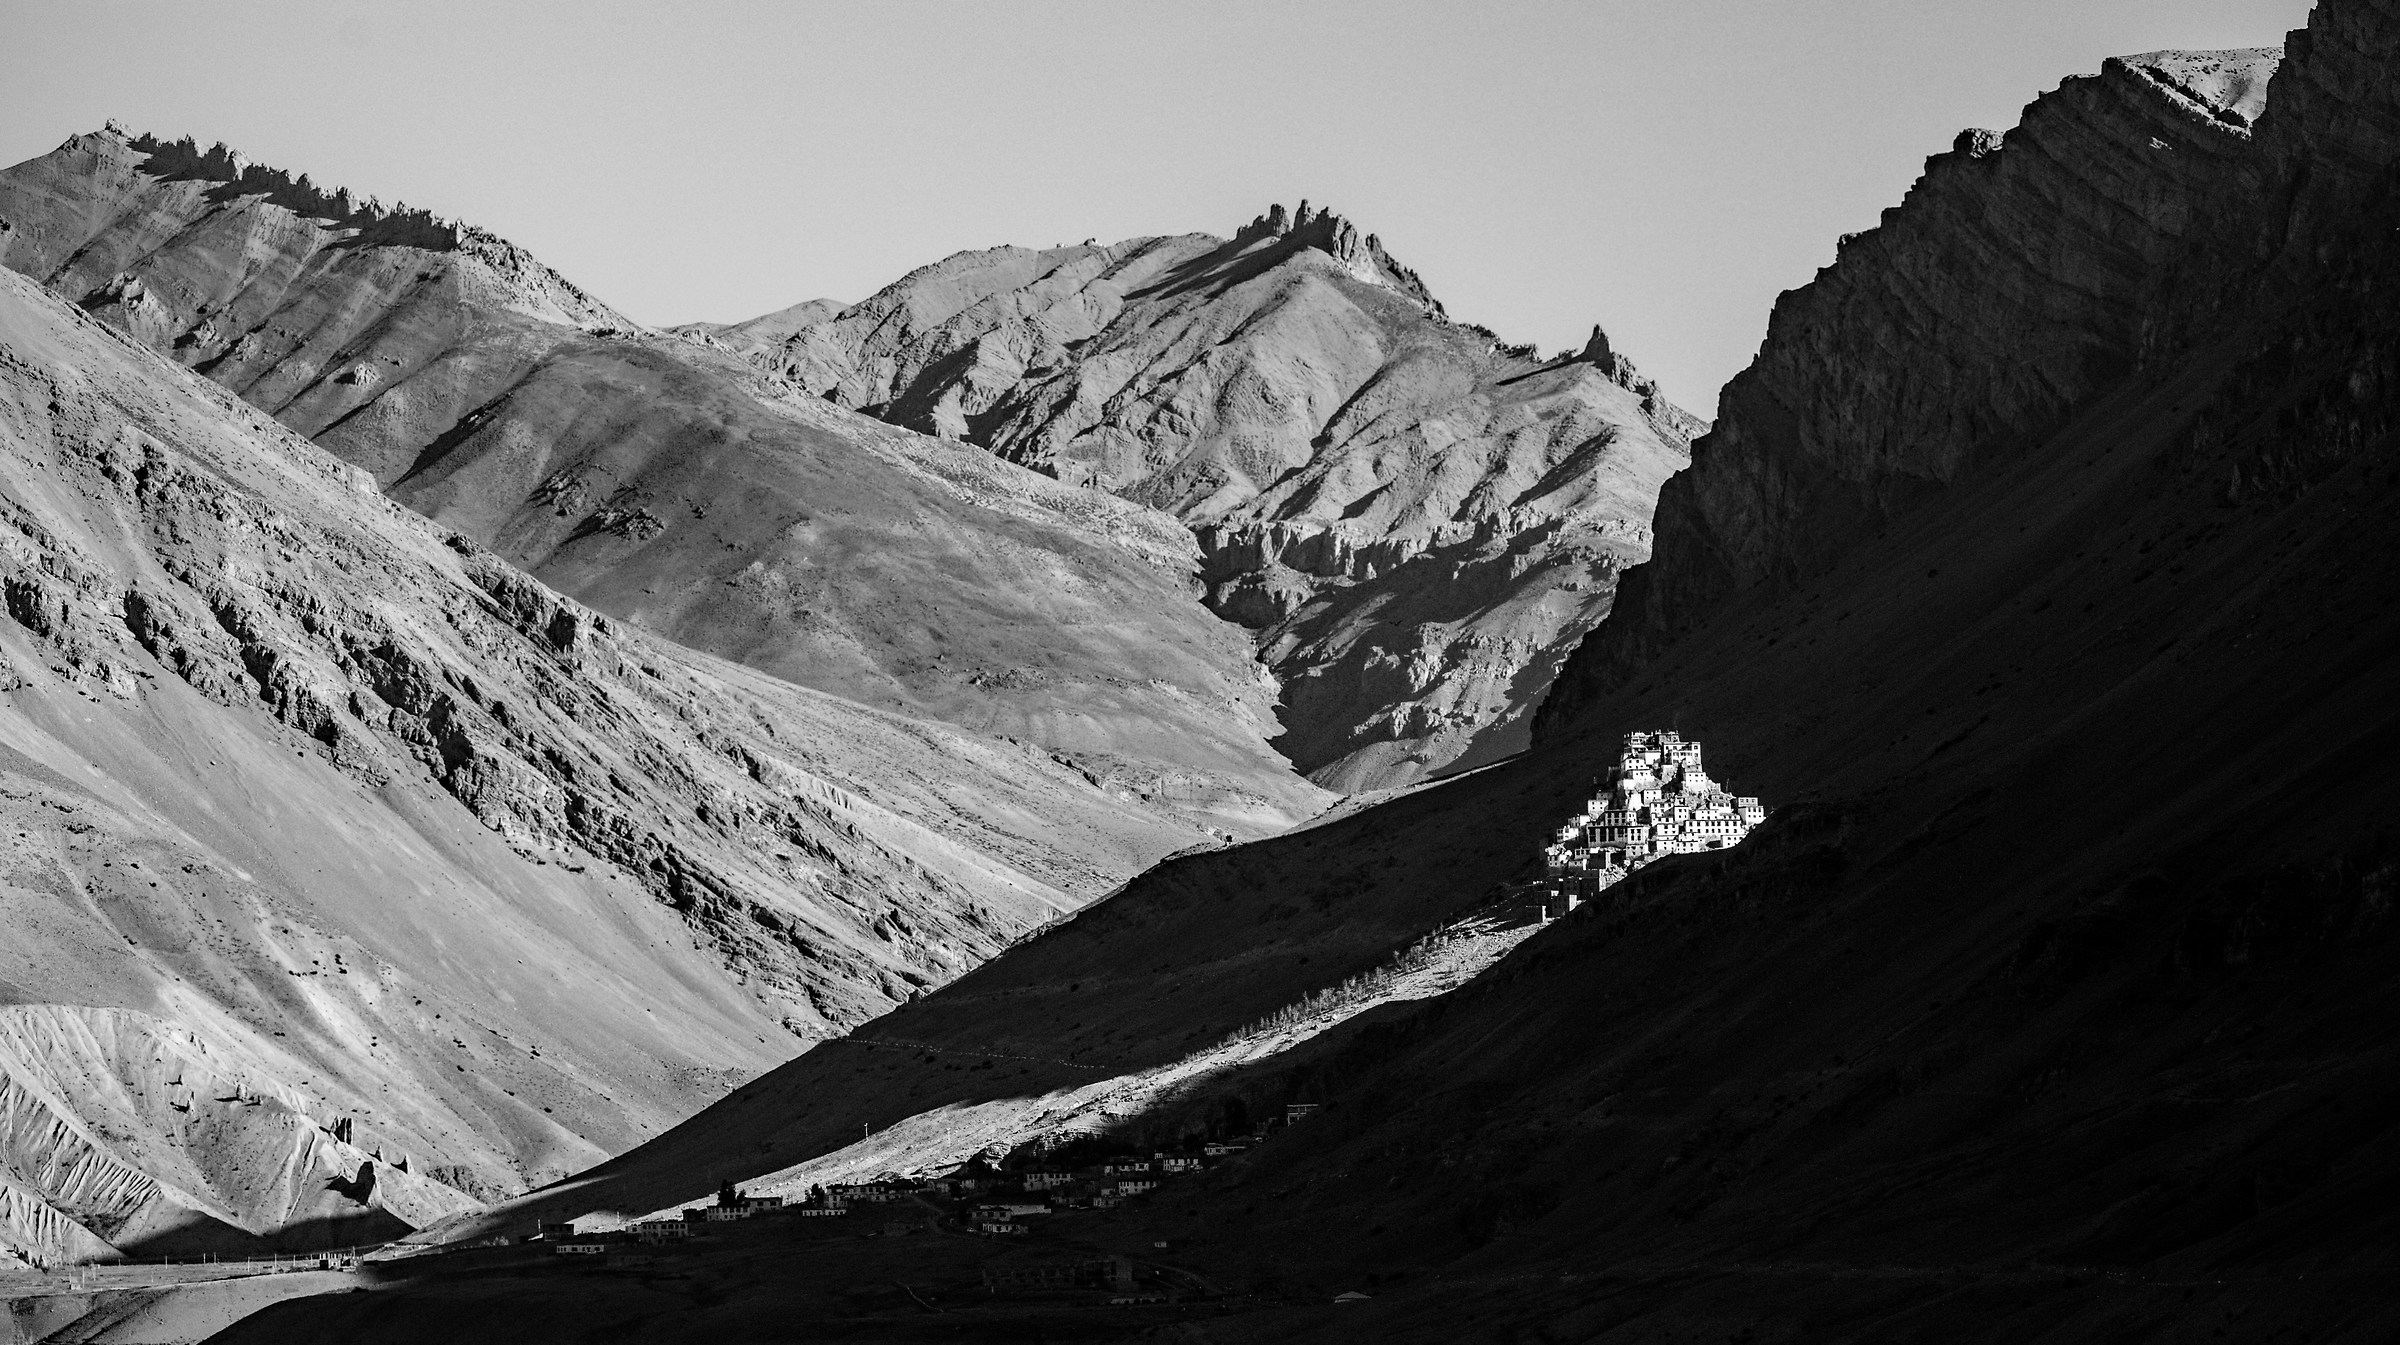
x,y
666,483
2053,1003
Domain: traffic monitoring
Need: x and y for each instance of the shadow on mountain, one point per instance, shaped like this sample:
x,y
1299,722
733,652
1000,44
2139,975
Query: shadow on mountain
x,y
209,1237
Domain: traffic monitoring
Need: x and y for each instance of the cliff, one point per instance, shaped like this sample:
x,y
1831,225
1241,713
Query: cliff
x,y
2014,283
1416,519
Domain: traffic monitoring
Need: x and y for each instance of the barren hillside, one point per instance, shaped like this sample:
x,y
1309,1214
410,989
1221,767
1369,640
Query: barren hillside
x,y
1416,520
319,810
666,483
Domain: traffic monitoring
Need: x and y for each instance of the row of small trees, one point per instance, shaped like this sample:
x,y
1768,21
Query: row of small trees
x,y
1362,987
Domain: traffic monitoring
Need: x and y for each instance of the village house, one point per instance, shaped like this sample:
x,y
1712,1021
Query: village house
x,y
1179,1163
732,1204
997,1212
871,1193
661,1230
1223,1149
1124,1167
554,1232
1134,1186
1293,1111
1045,1181
581,1249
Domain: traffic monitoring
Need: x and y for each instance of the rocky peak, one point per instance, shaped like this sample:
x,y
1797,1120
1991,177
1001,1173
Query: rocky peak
x,y
183,159
1598,353
230,175
1361,254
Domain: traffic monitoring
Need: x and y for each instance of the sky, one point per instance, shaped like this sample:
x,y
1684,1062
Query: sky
x,y
1663,168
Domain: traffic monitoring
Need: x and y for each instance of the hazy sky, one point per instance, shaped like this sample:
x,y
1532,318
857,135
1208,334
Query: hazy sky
x,y
1664,167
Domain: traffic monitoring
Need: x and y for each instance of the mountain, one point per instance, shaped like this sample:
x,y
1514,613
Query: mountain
x,y
664,481
2051,1002
339,843
2005,293
1416,520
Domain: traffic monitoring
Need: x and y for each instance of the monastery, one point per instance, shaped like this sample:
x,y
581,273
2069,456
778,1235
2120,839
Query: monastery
x,y
1659,803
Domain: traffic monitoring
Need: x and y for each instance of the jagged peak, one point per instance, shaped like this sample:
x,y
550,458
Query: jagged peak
x,y
1360,253
376,224
1598,353
221,163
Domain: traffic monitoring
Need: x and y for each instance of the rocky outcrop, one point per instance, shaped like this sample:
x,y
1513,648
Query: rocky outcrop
x,y
1416,519
663,480
2322,156
118,1125
2013,284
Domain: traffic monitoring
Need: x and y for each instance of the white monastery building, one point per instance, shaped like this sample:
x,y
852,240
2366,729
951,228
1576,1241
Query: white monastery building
x,y
1659,803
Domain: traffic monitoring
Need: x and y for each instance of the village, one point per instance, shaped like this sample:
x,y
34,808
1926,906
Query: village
x,y
1656,801
1010,1201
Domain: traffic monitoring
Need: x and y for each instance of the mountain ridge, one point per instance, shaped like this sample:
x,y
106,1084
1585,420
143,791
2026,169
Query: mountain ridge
x,y
665,482
1415,518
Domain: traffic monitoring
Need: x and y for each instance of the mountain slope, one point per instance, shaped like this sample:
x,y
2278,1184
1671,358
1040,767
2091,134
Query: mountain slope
x,y
322,811
2052,1003
1416,520
2008,288
664,482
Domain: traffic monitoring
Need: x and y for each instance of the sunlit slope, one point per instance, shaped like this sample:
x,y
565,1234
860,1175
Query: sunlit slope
x,y
660,480
395,834
1416,519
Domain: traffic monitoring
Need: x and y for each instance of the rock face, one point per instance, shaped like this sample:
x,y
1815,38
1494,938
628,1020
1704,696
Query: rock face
x,y
2052,1000
1416,520
328,812
663,480
126,1130
2019,279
